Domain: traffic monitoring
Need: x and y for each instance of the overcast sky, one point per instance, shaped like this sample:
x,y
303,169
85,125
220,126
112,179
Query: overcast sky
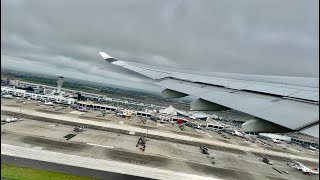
x,y
63,38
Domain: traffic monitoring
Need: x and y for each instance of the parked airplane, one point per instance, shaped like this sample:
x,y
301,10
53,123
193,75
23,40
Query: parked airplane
x,y
277,104
237,133
312,148
13,119
48,103
301,167
275,141
7,96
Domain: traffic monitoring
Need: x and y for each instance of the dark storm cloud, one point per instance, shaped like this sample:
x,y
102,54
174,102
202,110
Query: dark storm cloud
x,y
64,37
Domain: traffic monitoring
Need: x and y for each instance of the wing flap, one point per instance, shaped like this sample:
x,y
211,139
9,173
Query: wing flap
x,y
285,112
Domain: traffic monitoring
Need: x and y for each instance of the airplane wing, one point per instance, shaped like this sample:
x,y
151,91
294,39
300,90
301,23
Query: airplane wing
x,y
277,103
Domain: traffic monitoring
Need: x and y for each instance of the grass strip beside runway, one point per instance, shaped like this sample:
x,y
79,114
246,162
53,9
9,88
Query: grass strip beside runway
x,y
26,173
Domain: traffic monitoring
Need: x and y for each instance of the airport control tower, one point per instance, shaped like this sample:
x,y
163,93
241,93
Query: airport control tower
x,y
59,82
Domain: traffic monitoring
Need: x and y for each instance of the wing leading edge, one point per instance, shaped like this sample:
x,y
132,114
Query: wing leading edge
x,y
277,103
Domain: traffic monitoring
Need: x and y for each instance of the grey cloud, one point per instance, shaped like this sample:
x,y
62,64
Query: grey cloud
x,y
260,37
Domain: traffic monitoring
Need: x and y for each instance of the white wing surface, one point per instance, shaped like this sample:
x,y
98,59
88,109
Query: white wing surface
x,y
277,103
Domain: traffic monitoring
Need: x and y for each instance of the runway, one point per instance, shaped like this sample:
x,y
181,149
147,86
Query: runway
x,y
175,158
114,168
66,168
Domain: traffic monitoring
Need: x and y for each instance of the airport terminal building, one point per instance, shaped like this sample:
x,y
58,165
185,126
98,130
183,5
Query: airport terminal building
x,y
93,106
34,96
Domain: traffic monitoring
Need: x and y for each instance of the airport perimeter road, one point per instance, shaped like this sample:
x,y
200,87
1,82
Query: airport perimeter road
x,y
154,133
49,166
98,164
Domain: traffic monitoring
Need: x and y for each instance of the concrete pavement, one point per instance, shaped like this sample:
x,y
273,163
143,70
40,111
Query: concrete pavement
x,y
129,128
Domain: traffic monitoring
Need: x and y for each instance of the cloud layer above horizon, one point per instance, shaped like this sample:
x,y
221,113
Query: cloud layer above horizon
x,y
64,37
